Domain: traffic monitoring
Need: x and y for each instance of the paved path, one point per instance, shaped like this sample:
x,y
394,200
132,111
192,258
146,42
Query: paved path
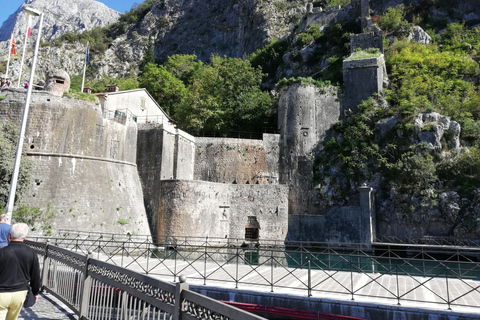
x,y
47,308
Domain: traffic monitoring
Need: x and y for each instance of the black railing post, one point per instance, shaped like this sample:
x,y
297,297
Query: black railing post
x,y
236,271
205,265
271,272
448,292
180,286
123,251
46,267
309,278
148,255
175,265
87,284
351,277
398,286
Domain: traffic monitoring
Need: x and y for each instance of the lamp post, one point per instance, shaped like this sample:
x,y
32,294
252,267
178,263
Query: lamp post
x,y
18,155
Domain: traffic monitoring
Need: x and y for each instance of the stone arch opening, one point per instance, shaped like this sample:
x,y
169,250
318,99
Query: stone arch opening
x,y
252,229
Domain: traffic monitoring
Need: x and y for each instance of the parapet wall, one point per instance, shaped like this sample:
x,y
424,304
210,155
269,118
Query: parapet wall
x,y
363,41
239,161
84,166
201,208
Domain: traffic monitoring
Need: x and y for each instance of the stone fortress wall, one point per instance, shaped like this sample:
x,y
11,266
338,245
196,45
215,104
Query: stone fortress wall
x,y
104,175
84,165
211,186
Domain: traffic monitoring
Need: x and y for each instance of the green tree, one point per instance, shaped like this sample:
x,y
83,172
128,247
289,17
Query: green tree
x,y
184,67
149,56
463,170
394,22
167,90
269,58
34,217
224,97
8,145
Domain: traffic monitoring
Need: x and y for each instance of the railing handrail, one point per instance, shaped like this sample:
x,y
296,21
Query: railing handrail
x,y
174,299
67,234
391,262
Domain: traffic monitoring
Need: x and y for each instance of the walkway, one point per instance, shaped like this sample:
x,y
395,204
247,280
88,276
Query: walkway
x,y
47,308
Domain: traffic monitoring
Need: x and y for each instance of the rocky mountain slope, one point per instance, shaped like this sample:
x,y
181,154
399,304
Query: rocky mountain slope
x,y
228,28
60,17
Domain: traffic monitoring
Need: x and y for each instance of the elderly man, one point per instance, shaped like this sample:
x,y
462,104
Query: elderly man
x,y
4,230
19,270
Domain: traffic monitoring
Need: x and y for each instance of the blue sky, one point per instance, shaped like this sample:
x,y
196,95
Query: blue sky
x,y
10,6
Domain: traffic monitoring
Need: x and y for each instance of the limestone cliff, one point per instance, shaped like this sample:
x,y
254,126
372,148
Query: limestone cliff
x,y
228,28
60,17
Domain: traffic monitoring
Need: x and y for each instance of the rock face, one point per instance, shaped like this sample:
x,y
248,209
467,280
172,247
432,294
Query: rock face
x,y
204,27
226,27
432,127
60,17
419,35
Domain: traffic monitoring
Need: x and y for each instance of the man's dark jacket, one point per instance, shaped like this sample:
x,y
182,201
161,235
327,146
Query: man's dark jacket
x,y
18,267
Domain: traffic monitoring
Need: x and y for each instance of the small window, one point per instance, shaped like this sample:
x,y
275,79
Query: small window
x,y
143,103
252,229
59,81
251,233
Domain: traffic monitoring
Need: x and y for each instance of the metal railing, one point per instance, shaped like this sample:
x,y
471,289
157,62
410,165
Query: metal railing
x,y
120,115
431,275
94,289
430,240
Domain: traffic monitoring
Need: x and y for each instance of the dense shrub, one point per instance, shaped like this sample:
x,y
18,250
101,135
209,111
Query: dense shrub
x,y
211,99
269,58
8,146
439,77
394,22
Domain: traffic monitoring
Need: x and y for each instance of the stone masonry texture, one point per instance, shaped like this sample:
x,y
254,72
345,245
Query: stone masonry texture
x,y
84,165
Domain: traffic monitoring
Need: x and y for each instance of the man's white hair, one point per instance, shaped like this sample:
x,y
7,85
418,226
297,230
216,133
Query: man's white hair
x,y
19,231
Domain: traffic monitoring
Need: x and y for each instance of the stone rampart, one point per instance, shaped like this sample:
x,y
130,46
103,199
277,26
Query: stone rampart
x,y
84,165
362,78
363,41
305,116
167,154
239,161
348,224
201,208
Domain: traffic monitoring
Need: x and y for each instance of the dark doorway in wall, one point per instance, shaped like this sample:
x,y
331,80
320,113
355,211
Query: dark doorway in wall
x,y
252,229
251,257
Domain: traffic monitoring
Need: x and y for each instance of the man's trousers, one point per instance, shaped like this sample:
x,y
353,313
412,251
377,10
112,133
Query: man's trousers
x,y
11,304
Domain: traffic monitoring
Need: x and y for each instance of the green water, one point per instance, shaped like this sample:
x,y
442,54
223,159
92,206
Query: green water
x,y
395,266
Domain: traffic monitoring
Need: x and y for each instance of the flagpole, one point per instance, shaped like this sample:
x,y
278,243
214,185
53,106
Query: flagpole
x,y
84,68
23,125
9,54
23,53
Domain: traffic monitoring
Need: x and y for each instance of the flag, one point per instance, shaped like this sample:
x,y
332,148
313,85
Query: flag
x,y
14,51
29,32
88,58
